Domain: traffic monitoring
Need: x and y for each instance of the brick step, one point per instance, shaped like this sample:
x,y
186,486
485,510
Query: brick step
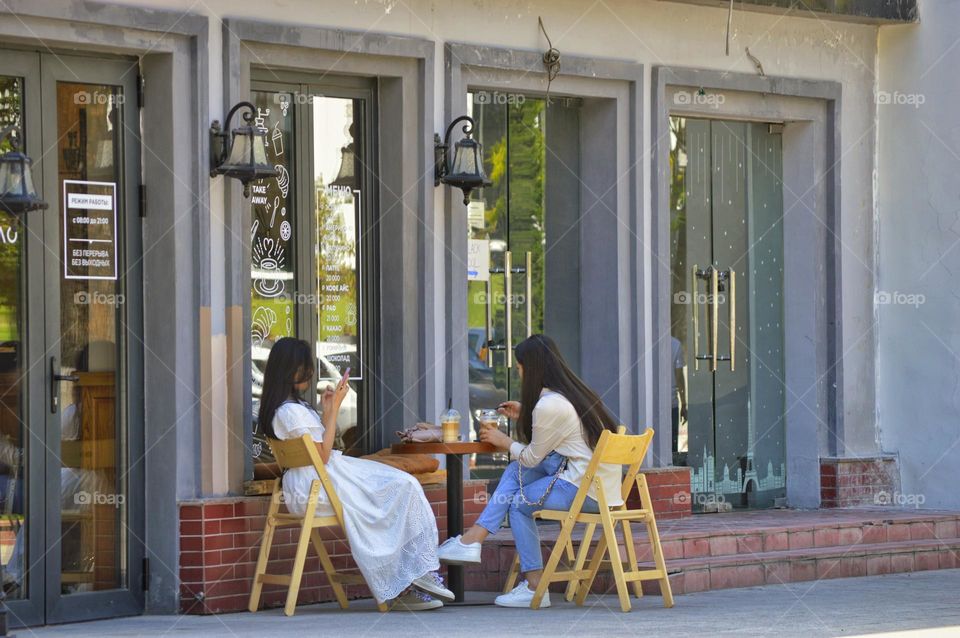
x,y
707,553
681,543
778,567
697,544
814,553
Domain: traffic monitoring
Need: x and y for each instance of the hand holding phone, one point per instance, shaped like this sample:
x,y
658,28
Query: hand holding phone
x,y
343,385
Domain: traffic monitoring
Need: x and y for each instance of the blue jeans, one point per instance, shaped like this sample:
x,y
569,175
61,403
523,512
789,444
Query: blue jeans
x,y
506,499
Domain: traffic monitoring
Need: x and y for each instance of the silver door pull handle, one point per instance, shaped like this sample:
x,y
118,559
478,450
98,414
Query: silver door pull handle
x,y
715,317
694,291
732,317
529,299
508,288
489,311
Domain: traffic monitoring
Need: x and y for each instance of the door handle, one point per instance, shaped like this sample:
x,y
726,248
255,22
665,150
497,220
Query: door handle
x,y
489,323
695,292
55,379
732,315
529,300
508,306
715,316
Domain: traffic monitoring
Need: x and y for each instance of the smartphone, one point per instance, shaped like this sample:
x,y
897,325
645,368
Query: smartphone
x,y
346,374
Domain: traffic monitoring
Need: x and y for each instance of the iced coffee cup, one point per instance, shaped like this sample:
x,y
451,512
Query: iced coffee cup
x,y
450,426
487,418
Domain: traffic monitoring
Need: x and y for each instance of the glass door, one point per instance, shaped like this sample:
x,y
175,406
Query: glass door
x,y
22,411
502,287
94,426
520,259
727,312
313,239
71,450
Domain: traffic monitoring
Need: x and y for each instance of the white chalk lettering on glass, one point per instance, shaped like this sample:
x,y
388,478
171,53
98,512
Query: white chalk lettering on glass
x,y
271,234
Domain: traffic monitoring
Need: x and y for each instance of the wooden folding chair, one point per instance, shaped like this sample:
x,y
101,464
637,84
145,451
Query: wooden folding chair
x,y
300,453
619,449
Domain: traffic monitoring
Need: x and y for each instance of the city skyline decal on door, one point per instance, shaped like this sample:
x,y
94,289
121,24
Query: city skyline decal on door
x,y
704,478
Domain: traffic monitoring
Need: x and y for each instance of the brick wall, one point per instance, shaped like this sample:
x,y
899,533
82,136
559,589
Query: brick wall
x,y
669,490
848,482
220,540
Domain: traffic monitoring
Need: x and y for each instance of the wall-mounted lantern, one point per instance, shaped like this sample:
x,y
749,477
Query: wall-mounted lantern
x,y
240,153
466,170
17,193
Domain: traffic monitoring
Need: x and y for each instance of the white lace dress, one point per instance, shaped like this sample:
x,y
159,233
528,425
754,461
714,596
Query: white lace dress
x,y
389,524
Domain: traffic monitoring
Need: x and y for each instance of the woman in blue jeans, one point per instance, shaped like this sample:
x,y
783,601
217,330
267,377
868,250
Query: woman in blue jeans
x,y
559,422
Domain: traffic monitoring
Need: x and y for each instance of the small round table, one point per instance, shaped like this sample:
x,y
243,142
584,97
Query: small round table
x,y
454,453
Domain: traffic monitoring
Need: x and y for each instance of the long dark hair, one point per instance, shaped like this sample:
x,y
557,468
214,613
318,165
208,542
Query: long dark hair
x,y
544,367
290,362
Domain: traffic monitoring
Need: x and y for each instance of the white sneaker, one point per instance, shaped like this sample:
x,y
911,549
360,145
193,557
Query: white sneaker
x,y
454,552
432,583
416,600
521,596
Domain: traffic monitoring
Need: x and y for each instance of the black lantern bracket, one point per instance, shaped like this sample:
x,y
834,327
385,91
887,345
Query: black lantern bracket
x,y
16,181
448,171
223,140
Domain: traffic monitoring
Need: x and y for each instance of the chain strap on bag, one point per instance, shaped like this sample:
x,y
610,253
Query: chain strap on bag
x,y
546,493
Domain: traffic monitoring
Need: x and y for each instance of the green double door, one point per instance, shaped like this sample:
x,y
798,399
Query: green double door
x,y
727,321
71,417
523,243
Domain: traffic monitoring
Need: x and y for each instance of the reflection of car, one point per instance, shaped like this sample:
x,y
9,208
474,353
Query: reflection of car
x,y
483,392
328,376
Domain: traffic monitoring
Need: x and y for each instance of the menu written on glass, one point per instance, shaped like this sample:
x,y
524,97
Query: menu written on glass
x,y
337,214
89,230
271,231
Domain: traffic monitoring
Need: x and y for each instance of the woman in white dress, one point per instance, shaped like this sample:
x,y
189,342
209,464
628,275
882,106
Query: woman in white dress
x,y
389,523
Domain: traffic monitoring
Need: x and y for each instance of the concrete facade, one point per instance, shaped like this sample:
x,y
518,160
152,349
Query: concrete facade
x,y
918,151
860,374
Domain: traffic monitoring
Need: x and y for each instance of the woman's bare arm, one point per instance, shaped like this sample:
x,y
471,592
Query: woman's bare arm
x,y
330,401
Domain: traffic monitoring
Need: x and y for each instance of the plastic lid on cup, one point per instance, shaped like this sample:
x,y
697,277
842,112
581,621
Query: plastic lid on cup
x,y
450,415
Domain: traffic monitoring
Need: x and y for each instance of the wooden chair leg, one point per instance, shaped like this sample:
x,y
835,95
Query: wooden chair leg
x,y
512,574
659,561
595,561
654,535
632,558
300,558
581,559
299,561
329,569
563,540
265,544
609,532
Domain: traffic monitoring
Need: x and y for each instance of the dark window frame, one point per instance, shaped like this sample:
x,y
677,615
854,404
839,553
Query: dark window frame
x,y
369,407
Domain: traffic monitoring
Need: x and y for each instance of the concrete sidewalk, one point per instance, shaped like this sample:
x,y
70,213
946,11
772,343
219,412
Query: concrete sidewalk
x,y
927,602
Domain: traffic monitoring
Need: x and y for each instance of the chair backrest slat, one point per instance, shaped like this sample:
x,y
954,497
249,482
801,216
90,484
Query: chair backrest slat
x,y
614,449
302,452
290,453
625,449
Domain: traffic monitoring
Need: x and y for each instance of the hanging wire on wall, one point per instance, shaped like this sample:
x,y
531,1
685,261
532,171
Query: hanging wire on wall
x,y
756,62
551,59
